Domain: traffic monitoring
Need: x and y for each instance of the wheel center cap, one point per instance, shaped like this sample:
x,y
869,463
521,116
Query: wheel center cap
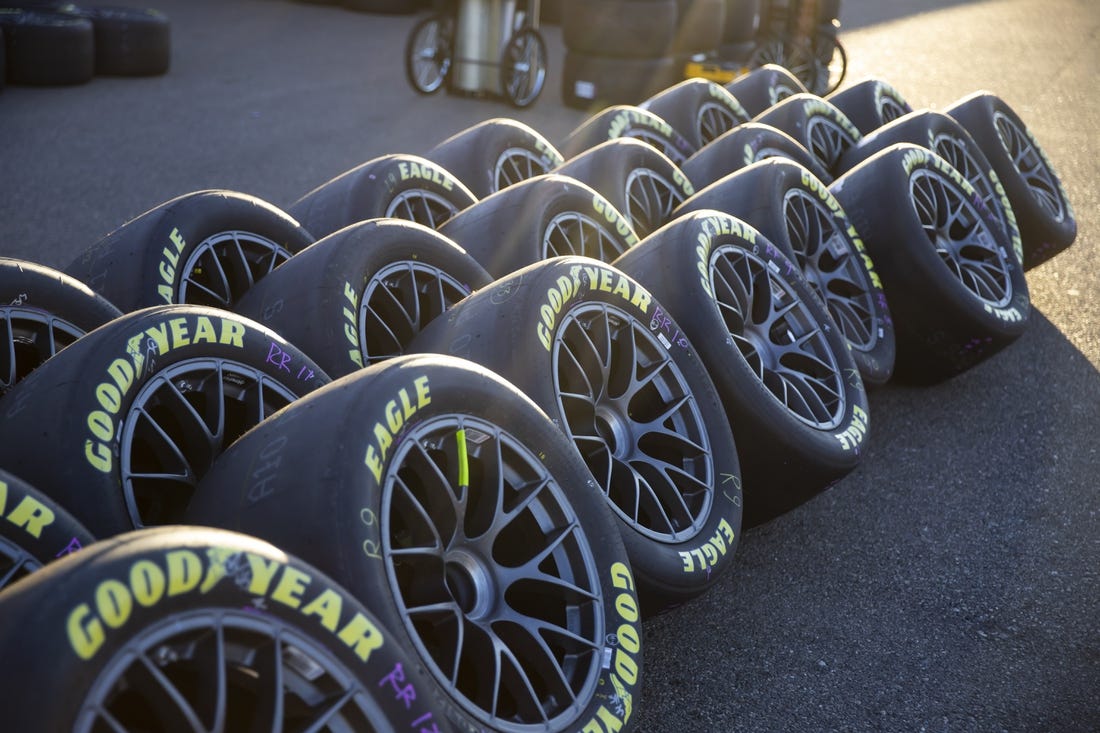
x,y
469,583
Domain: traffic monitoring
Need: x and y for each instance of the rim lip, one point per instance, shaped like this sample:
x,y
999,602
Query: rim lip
x,y
714,119
723,253
171,374
1018,143
515,157
426,63
673,387
406,269
960,200
416,202
145,643
567,223
828,140
14,320
449,424
852,272
651,199
890,109
22,562
253,241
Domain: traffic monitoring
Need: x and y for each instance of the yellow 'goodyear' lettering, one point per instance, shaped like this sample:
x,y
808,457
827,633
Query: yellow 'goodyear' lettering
x,y
722,94
821,107
170,257
425,171
1009,215
810,181
567,287
624,664
681,180
710,552
150,580
30,515
159,339
627,119
351,325
549,153
397,413
712,227
603,208
854,434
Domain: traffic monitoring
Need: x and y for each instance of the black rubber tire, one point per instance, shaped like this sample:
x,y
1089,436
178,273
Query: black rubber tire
x,y
592,82
1043,211
764,87
870,103
203,607
179,251
543,217
699,26
495,153
128,41
787,204
384,443
741,22
699,109
624,120
817,124
399,186
943,325
34,531
526,327
620,29
744,145
639,181
405,274
3,60
784,459
44,48
45,310
118,426
944,136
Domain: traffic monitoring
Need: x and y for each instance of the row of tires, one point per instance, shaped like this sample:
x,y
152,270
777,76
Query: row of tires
x,y
424,449
54,43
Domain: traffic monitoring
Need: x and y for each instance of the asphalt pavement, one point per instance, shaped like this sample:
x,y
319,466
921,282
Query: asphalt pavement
x,y
951,583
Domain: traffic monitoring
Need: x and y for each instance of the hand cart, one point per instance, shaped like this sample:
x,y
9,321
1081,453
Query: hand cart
x,y
479,47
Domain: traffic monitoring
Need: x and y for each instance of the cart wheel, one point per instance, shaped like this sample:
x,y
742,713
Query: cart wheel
x,y
428,54
832,63
793,54
523,67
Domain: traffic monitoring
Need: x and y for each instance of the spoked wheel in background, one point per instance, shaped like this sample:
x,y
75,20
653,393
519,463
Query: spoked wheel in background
x,y
428,54
523,67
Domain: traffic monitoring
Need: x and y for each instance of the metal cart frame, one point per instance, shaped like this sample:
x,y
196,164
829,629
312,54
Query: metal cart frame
x,y
479,47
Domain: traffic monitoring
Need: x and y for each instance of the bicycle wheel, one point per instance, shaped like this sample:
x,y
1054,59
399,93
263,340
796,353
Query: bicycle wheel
x,y
793,54
831,60
428,54
523,67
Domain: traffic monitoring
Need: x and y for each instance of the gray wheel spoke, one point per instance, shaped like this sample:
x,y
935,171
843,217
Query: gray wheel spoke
x,y
505,536
779,338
